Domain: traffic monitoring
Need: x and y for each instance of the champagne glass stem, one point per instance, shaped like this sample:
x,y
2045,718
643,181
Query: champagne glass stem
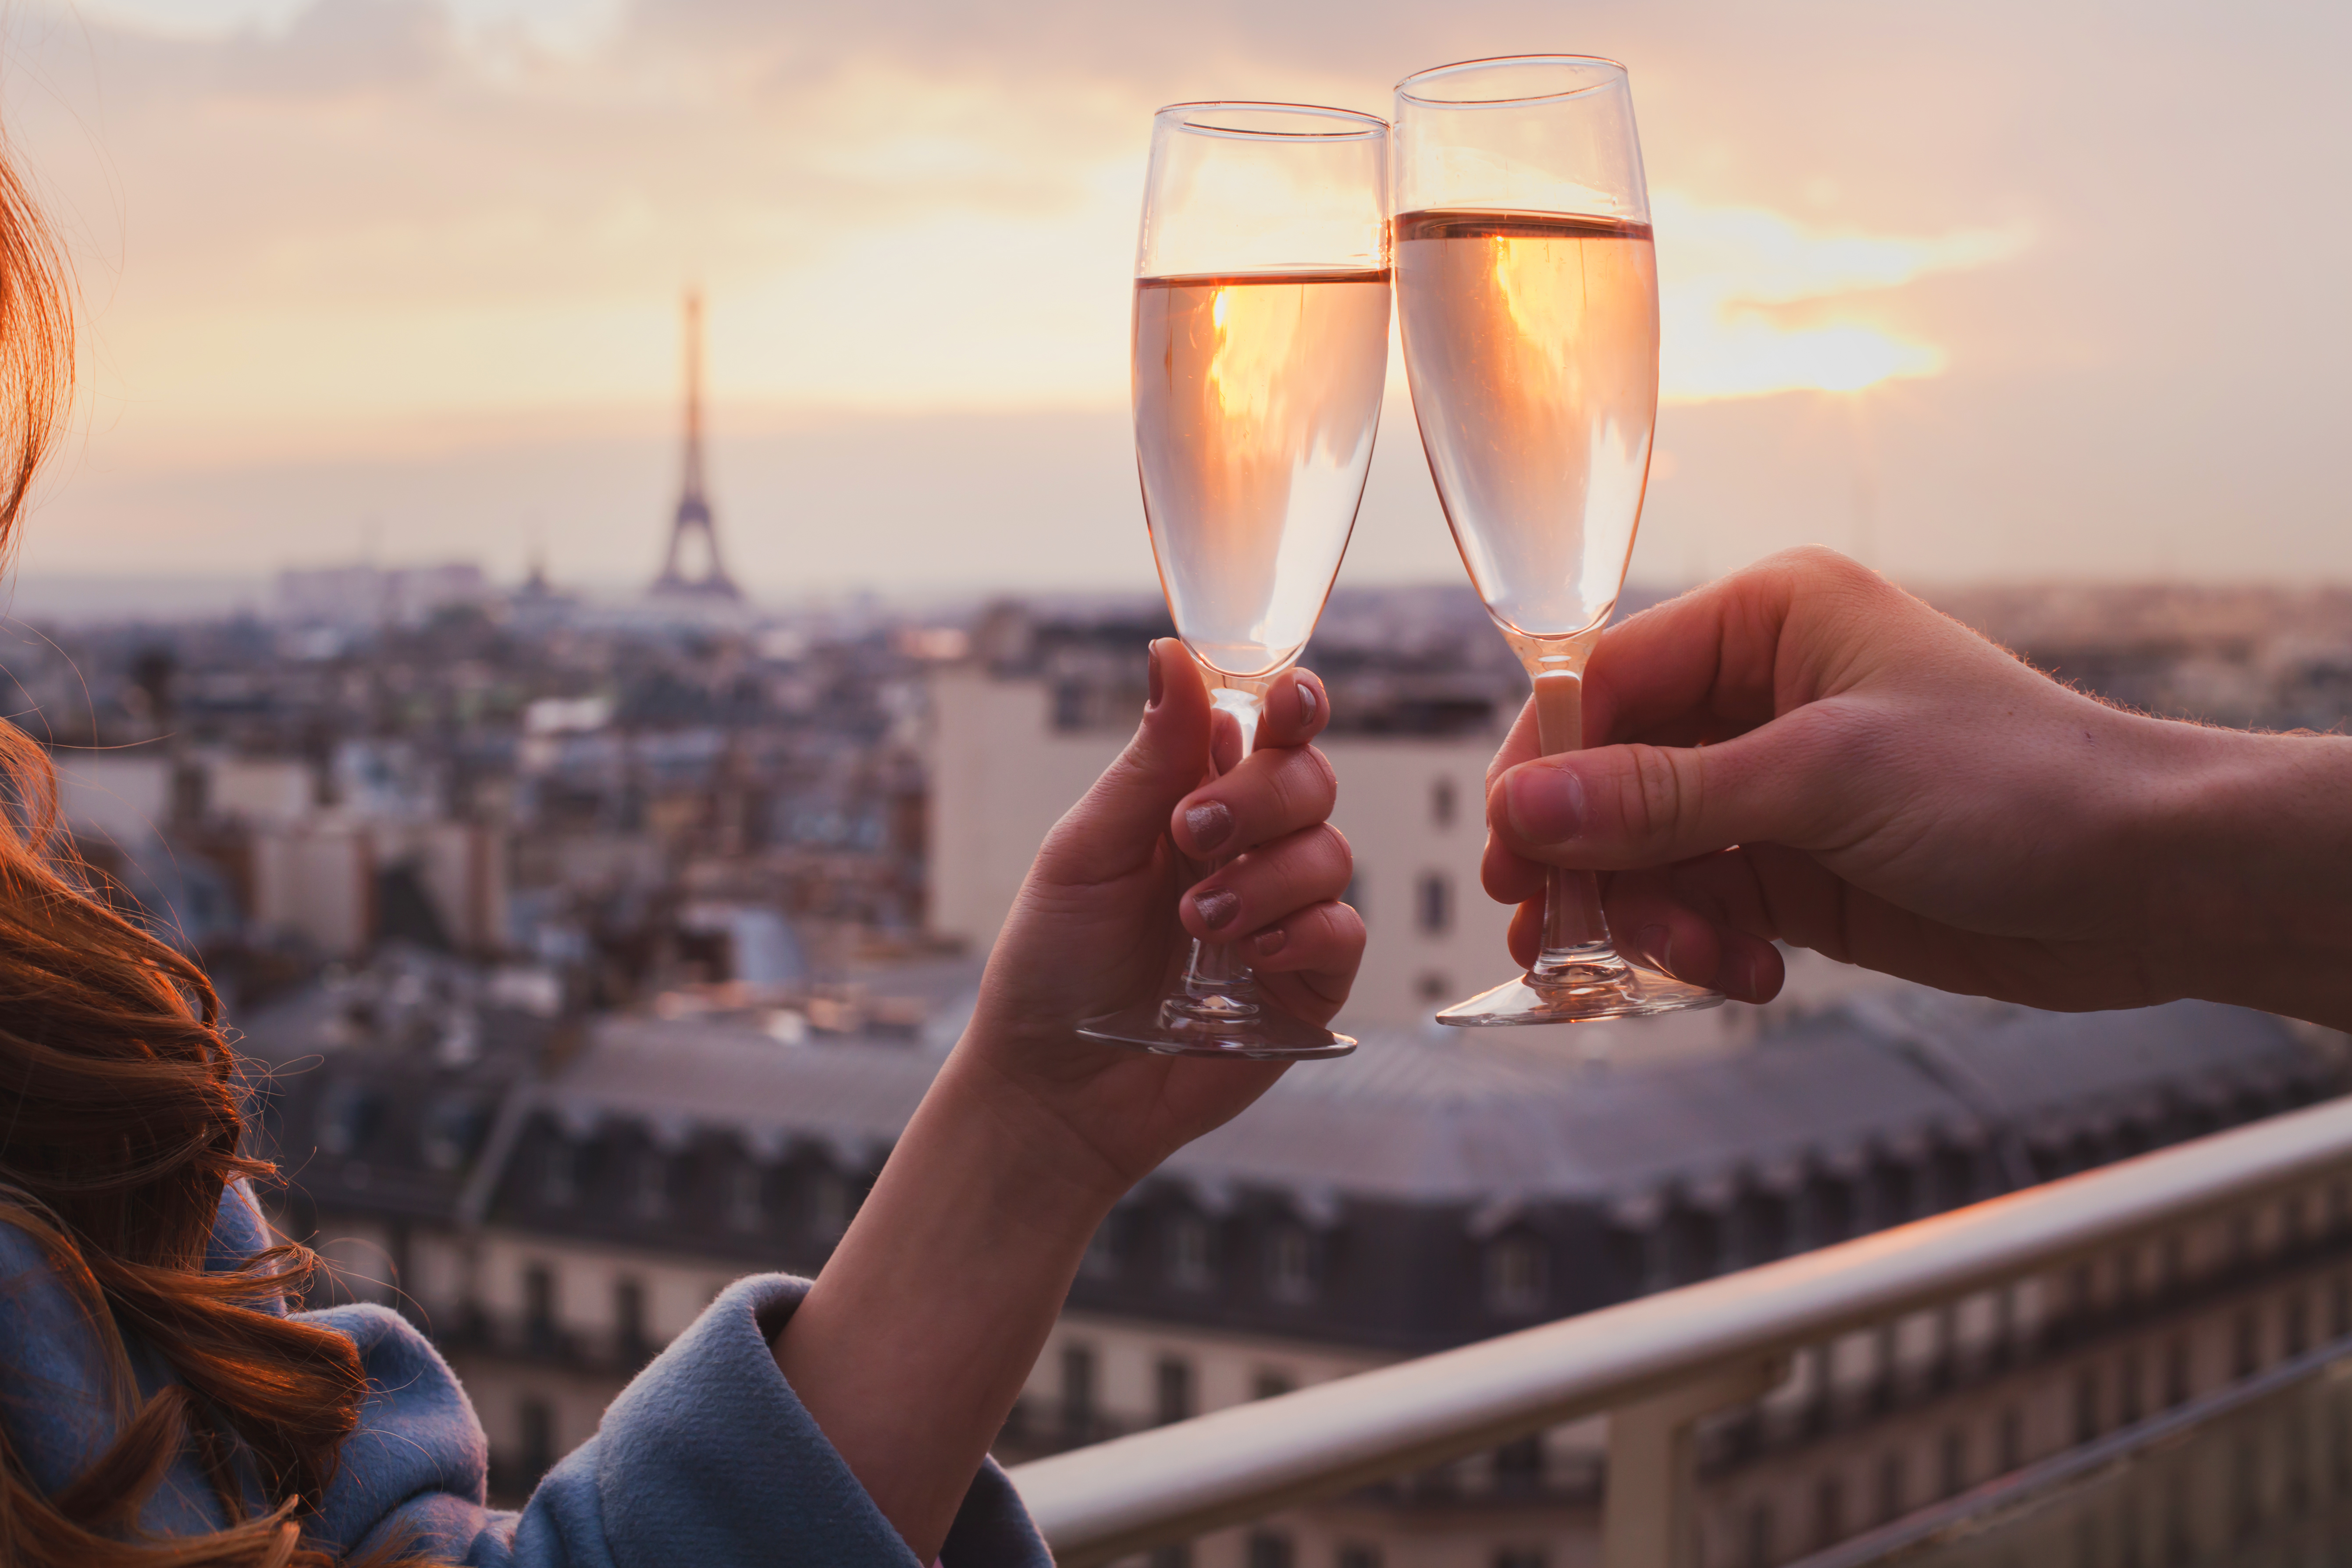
x,y
1575,929
1216,969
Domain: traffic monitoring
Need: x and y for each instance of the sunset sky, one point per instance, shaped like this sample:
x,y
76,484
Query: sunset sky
x,y
2001,290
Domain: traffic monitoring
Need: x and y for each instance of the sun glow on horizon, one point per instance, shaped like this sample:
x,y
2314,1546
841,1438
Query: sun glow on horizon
x,y
1727,275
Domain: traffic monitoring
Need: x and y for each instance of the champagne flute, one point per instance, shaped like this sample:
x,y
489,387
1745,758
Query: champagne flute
x,y
1260,353
1528,300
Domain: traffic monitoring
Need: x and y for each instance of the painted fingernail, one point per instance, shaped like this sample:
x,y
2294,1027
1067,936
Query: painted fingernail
x,y
1270,942
1546,804
1209,824
1152,694
1219,908
1308,701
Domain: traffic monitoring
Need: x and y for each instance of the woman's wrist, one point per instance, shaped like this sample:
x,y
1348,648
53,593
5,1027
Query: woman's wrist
x,y
917,1335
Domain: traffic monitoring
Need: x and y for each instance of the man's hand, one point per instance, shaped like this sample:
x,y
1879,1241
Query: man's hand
x,y
1803,753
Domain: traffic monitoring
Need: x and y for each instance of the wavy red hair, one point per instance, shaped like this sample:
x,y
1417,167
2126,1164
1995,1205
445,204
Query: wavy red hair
x,y
121,1122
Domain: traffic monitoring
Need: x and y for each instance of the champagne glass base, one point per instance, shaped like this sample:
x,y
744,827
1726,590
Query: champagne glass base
x,y
1183,1027
1584,995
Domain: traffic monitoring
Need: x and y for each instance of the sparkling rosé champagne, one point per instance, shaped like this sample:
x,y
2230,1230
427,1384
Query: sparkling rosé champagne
x,y
1531,340
1257,398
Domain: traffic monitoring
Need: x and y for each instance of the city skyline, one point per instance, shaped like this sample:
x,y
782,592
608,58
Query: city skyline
x,y
434,302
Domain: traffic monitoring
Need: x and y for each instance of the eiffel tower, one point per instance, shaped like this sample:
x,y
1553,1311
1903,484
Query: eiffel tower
x,y
693,511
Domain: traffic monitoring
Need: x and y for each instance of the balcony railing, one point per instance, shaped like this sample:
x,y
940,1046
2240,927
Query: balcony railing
x,y
1655,1366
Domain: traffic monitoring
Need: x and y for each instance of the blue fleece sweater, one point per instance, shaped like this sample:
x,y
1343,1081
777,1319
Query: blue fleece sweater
x,y
706,1457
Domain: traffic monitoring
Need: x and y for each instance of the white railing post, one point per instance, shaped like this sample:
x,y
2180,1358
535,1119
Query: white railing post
x,y
1650,1518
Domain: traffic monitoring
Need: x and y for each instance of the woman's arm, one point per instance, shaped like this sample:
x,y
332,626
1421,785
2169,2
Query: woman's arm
x,y
917,1337
1802,752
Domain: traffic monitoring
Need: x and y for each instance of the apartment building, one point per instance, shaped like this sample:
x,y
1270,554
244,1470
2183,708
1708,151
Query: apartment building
x,y
558,1200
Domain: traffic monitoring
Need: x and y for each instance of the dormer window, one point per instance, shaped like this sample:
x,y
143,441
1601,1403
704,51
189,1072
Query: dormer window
x,y
1290,1263
744,1208
829,1205
1518,1275
1189,1264
649,1185
559,1174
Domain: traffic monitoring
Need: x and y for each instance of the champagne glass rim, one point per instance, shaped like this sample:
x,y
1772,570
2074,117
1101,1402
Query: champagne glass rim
x,y
1616,73
1193,117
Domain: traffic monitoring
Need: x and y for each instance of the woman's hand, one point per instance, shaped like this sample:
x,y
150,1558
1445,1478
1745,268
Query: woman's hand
x,y
915,1340
1120,891
1803,753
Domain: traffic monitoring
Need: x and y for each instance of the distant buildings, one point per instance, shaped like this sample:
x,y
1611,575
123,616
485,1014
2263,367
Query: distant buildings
x,y
358,598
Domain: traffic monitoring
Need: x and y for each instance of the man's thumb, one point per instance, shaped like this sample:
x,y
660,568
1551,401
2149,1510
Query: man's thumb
x,y
1617,809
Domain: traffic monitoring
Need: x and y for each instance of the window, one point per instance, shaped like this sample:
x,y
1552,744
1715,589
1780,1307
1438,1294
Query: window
x,y
1434,902
535,1436
1270,1549
347,1113
1078,1392
629,1318
744,1208
1441,803
829,1205
1188,1253
649,1190
1516,1274
1956,1462
559,1174
1171,1382
1891,1488
2172,1266
1100,1260
539,1308
1829,1512
1271,1385
1520,1467
1290,1265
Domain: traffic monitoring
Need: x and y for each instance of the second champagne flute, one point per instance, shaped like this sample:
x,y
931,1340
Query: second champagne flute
x,y
1527,297
1260,353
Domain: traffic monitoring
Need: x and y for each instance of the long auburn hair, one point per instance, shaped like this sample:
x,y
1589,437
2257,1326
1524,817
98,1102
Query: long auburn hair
x,y
120,1125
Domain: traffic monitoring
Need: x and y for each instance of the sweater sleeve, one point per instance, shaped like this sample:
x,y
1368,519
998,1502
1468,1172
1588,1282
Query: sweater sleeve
x,y
706,1457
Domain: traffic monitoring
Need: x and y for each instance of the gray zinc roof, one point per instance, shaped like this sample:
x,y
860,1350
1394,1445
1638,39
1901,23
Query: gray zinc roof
x,y
1442,1116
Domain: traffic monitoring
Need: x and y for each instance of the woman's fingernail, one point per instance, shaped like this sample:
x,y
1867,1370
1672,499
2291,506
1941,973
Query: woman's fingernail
x,y
1307,702
1270,942
1547,804
1653,941
1219,908
1151,693
1209,824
